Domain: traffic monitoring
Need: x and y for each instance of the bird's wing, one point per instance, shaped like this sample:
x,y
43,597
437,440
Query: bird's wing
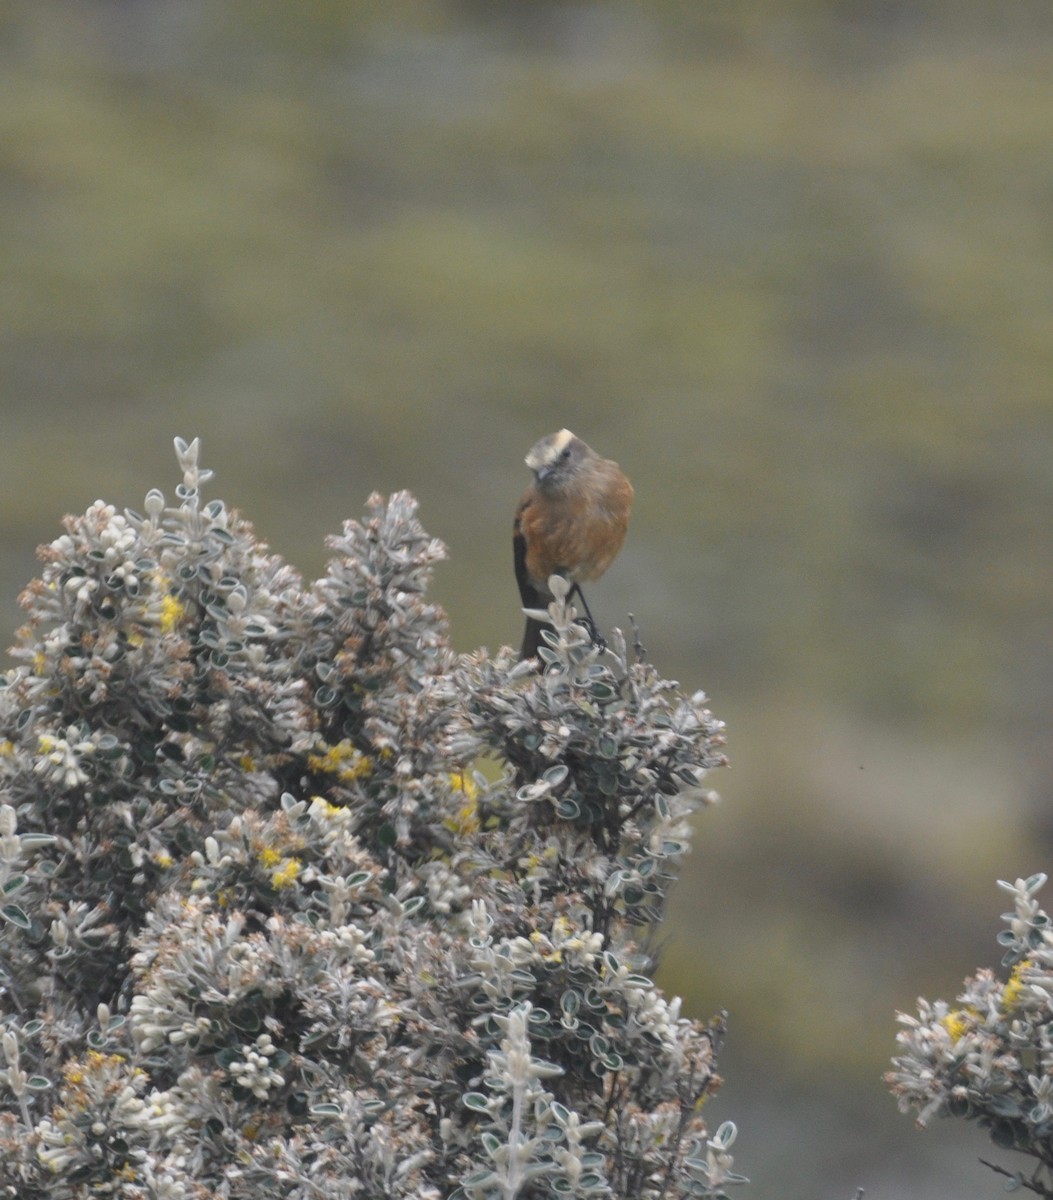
x,y
529,594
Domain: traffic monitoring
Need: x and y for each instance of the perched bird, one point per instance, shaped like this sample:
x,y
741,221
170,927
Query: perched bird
x,y
571,521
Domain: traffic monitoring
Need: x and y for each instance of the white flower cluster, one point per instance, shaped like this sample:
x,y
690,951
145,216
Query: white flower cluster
x,y
253,1071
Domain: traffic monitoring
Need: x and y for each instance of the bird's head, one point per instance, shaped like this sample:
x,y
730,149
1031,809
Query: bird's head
x,y
555,459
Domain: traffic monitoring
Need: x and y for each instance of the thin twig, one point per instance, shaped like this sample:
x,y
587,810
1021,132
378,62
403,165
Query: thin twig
x,y
1018,1178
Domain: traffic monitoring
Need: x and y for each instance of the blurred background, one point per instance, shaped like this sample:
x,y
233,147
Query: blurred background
x,y
790,263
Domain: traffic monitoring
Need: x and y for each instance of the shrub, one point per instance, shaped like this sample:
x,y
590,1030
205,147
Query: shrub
x,y
297,903
989,1057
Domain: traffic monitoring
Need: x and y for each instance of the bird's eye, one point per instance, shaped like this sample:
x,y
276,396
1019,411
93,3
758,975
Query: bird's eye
x,y
566,453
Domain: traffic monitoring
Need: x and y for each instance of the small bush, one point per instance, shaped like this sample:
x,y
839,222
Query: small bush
x,y
989,1057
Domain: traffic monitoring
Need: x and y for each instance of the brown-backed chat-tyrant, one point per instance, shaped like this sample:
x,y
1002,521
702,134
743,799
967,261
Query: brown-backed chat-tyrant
x,y
571,521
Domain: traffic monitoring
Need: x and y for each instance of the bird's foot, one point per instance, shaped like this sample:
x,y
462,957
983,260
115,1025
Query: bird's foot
x,y
598,640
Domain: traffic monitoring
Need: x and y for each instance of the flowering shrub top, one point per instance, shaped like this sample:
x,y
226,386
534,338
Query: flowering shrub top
x,y
294,902
989,1057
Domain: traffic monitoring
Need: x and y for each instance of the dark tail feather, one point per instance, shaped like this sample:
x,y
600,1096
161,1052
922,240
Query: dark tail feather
x,y
532,637
529,596
532,598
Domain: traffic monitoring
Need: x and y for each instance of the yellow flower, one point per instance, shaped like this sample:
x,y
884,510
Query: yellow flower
x,y
341,760
1014,986
466,820
269,856
464,783
957,1023
545,949
172,612
7,748
329,810
287,874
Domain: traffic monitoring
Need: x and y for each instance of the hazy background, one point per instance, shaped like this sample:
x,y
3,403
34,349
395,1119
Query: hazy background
x,y
790,263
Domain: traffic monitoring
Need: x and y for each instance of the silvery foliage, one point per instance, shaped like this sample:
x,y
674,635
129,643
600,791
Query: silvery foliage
x,y
989,1057
295,902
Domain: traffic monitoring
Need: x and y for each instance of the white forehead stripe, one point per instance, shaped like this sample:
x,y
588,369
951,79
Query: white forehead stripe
x,y
548,449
